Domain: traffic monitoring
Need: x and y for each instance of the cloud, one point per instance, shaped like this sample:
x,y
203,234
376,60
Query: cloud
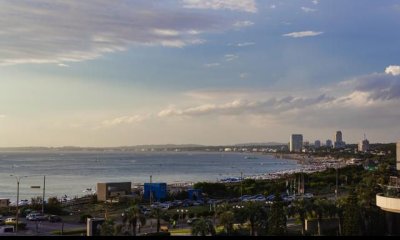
x,y
238,107
47,31
230,57
245,44
394,70
234,5
244,75
62,65
209,65
243,24
125,120
273,6
302,34
2,116
315,2
307,10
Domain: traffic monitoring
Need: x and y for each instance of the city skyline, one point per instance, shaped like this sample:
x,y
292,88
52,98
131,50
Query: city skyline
x,y
213,72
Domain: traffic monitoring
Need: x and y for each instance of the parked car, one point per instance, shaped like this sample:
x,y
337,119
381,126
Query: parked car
x,y
36,217
11,220
54,218
190,221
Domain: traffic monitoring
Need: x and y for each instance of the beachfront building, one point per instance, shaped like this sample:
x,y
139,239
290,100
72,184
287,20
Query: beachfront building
x,y
155,191
339,143
389,200
296,143
363,145
109,191
4,202
317,144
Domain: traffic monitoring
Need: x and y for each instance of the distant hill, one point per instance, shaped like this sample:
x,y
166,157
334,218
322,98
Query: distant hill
x,y
260,144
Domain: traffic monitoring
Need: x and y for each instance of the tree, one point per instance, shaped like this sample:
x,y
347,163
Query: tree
x,y
277,218
227,219
319,209
351,216
158,213
132,216
255,213
107,228
203,227
301,208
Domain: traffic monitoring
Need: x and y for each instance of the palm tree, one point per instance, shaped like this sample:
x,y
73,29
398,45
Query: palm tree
x,y
107,228
203,227
132,216
158,213
255,214
319,209
300,208
227,219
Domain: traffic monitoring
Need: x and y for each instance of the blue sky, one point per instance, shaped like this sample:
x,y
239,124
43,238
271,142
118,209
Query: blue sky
x,y
112,73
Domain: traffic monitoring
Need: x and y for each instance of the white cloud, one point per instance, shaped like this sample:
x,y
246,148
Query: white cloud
x,y
62,65
47,31
302,34
244,75
230,57
306,9
2,116
125,120
243,24
245,44
273,6
209,65
392,69
315,2
235,5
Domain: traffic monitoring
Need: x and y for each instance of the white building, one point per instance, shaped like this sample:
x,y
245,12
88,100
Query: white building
x,y
296,142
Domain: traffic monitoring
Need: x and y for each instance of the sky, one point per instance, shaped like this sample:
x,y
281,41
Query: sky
x,y
100,73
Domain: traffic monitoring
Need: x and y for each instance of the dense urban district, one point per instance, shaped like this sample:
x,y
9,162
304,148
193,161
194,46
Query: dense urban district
x,y
356,192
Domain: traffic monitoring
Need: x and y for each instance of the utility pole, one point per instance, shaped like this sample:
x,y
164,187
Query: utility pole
x,y
18,178
241,186
151,192
44,187
336,190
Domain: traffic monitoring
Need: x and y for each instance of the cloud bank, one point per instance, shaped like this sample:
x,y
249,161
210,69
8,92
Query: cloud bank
x,y
47,31
302,34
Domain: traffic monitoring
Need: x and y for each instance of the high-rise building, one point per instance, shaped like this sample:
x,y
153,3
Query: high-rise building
x,y
317,144
329,143
296,143
363,145
398,156
338,140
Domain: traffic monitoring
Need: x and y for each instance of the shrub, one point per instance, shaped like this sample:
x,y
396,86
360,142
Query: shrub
x,y
84,217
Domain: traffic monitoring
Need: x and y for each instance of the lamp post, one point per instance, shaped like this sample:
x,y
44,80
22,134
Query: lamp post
x,y
44,189
18,178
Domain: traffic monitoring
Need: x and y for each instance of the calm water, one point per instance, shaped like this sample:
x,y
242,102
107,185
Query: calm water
x,y
71,173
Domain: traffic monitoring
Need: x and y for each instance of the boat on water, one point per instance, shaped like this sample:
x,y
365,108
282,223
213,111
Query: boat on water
x,y
250,157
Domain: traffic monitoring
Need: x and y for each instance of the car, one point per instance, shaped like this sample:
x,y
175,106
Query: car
x,y
190,221
11,220
164,228
36,217
54,218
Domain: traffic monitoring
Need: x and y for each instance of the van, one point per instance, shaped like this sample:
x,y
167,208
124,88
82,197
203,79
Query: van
x,y
164,228
6,229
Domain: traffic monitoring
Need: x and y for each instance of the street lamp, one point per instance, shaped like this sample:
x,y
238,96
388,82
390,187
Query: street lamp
x,y
44,188
18,178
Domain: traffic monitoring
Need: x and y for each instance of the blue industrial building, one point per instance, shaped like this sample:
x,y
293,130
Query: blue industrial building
x,y
157,190
195,194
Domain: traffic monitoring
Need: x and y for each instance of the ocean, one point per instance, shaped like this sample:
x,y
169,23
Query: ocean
x,y
71,173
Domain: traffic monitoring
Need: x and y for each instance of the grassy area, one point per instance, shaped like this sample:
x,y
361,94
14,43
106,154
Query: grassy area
x,y
180,231
77,231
